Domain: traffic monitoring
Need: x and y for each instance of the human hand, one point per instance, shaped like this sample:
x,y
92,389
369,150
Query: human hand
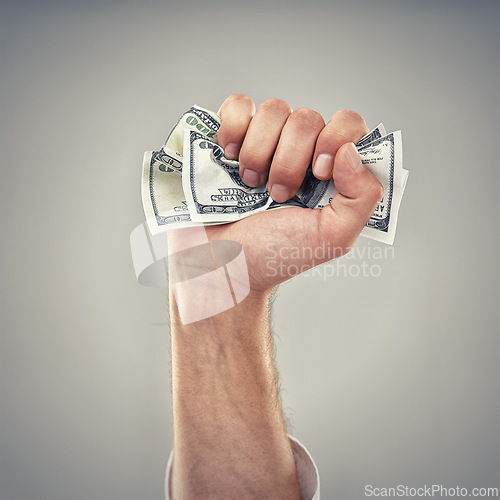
x,y
276,145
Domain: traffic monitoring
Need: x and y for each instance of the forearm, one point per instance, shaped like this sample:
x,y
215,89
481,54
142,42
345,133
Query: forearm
x,y
229,436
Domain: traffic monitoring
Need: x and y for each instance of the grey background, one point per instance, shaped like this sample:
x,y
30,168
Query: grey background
x,y
389,380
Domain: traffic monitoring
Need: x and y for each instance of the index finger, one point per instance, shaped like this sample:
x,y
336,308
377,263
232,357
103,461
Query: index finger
x,y
236,113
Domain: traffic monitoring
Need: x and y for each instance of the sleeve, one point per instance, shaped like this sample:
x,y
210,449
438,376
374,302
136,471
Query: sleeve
x,y
306,471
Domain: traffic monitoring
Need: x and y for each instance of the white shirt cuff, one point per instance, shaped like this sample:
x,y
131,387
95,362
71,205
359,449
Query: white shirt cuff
x,y
306,471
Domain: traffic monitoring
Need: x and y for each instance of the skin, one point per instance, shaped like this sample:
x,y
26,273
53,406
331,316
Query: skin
x,y
230,440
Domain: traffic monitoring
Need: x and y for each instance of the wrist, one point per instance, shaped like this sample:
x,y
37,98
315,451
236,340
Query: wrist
x,y
206,302
204,283
208,277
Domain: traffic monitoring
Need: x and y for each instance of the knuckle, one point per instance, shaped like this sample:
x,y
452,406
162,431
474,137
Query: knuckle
x,y
350,116
334,136
344,126
240,99
307,116
352,121
275,105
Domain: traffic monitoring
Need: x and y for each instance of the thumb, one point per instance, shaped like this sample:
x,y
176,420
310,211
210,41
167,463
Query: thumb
x,y
359,192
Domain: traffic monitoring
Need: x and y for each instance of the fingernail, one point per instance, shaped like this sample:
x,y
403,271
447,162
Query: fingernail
x,y
280,193
353,158
231,151
251,178
323,165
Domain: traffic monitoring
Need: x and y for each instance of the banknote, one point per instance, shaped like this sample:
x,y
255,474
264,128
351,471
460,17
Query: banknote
x,y
212,184
384,158
163,198
376,133
375,228
196,118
